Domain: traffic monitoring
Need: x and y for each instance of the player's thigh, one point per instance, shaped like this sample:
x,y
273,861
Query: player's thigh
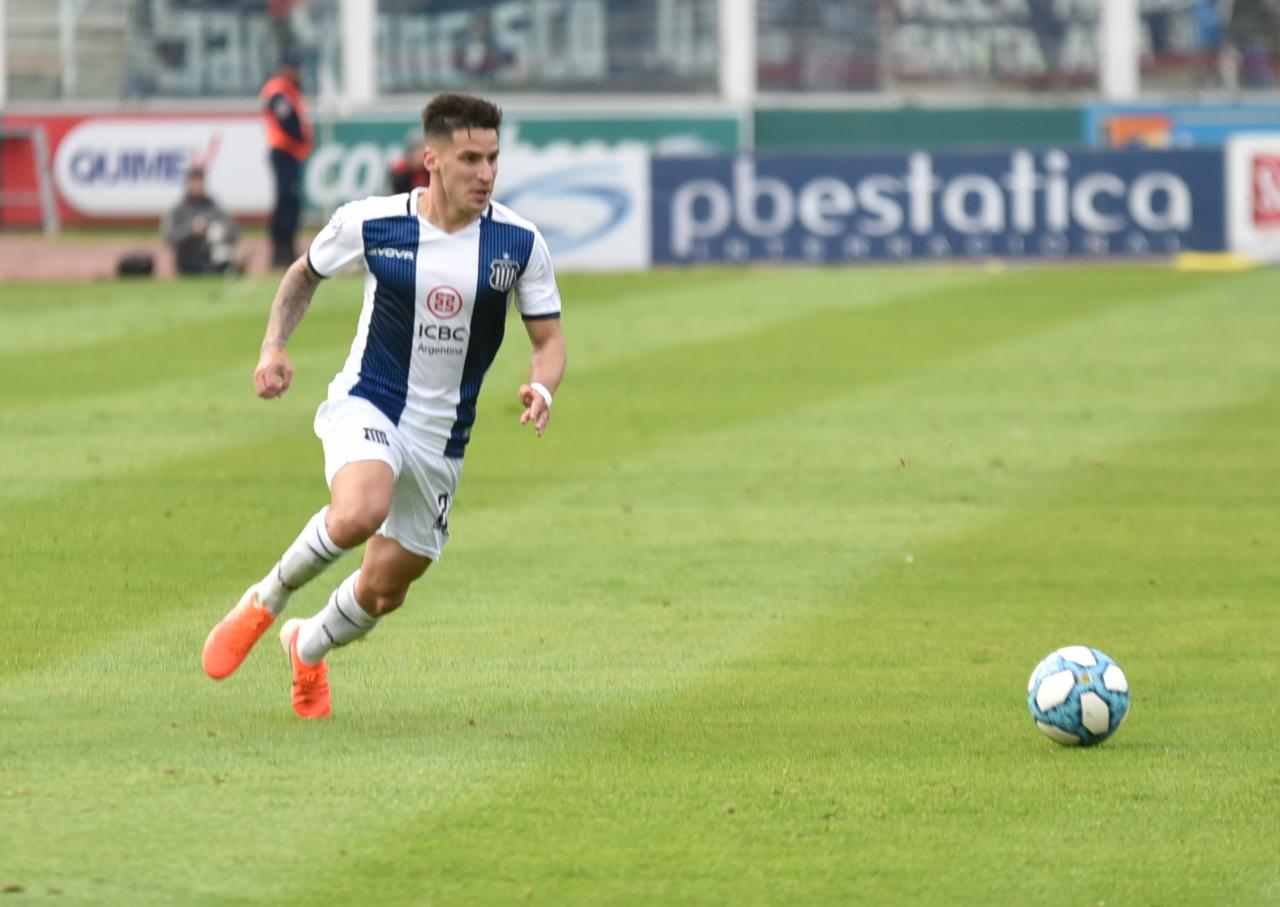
x,y
387,572
361,494
362,461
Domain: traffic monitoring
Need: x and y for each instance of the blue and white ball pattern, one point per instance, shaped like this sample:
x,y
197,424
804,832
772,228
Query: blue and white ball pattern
x,y
1078,696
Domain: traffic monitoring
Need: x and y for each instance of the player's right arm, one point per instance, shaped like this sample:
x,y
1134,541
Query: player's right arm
x,y
336,246
275,372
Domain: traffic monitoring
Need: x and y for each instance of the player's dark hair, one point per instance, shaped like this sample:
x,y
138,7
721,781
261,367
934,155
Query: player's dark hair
x,y
450,111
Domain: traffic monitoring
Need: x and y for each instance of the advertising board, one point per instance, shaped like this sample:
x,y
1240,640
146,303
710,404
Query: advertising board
x,y
133,168
1201,125
1253,196
592,205
116,168
1017,204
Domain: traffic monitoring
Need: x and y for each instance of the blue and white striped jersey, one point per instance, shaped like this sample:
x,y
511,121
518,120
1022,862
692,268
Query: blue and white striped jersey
x,y
435,307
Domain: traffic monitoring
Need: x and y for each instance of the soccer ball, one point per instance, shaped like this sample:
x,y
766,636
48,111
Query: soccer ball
x,y
1078,696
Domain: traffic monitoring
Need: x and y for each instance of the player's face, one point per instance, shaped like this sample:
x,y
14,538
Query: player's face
x,y
466,167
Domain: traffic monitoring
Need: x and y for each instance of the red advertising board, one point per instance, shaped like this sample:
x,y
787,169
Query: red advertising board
x,y
128,168
1266,190
18,168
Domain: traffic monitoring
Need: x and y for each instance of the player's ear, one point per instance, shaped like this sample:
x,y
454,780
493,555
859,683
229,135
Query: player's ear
x,y
430,157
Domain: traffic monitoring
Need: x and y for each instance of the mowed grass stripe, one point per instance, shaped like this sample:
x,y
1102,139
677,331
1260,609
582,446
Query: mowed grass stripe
x,y
201,343
173,538
399,710
609,318
122,336
144,406
57,449
148,398
52,317
686,389
763,375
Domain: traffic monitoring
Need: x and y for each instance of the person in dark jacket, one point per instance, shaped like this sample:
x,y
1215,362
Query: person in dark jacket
x,y
202,235
289,136
407,171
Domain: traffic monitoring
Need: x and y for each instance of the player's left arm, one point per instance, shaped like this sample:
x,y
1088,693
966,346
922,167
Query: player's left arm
x,y
538,299
546,371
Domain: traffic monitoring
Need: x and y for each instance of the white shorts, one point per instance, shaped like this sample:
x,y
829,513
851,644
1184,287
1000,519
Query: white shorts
x,y
353,429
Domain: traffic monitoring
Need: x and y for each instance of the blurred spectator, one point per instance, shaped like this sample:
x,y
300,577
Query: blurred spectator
x,y
202,235
282,14
408,172
294,30
1209,41
478,52
1159,25
1051,29
1254,29
1255,65
289,136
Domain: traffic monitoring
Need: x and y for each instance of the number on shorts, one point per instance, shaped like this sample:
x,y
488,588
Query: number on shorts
x,y
444,502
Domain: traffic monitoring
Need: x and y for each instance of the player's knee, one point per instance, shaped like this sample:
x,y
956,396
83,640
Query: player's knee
x,y
352,524
385,604
383,597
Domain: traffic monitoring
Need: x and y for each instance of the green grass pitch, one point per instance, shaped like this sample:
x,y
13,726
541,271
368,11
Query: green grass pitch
x,y
752,624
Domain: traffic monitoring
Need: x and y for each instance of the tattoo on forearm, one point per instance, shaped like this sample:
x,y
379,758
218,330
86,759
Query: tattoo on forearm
x,y
291,302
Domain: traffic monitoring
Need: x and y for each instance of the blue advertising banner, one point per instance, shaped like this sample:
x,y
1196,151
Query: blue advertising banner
x,y
937,205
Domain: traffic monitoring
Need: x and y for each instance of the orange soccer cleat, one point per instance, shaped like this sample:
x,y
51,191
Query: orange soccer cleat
x,y
310,682
230,641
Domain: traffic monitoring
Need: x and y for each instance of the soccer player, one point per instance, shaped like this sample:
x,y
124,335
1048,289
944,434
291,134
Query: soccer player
x,y
441,263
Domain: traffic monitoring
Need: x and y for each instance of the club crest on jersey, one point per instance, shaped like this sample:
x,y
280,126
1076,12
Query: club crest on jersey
x,y
503,273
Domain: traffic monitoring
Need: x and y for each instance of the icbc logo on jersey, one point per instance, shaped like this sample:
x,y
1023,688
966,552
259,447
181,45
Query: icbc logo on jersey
x,y
444,302
1266,190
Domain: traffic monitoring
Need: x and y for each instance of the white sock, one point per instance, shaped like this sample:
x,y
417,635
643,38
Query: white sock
x,y
310,555
337,623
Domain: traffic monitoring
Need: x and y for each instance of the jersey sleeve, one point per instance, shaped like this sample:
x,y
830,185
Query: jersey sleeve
x,y
536,293
339,244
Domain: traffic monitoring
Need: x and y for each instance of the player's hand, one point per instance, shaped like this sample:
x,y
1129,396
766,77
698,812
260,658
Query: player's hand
x,y
274,373
536,409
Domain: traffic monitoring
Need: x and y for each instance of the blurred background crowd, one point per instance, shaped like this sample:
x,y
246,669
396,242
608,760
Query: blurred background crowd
x,y
139,49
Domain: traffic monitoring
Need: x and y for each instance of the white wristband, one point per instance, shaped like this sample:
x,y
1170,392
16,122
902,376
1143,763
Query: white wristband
x,y
542,392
